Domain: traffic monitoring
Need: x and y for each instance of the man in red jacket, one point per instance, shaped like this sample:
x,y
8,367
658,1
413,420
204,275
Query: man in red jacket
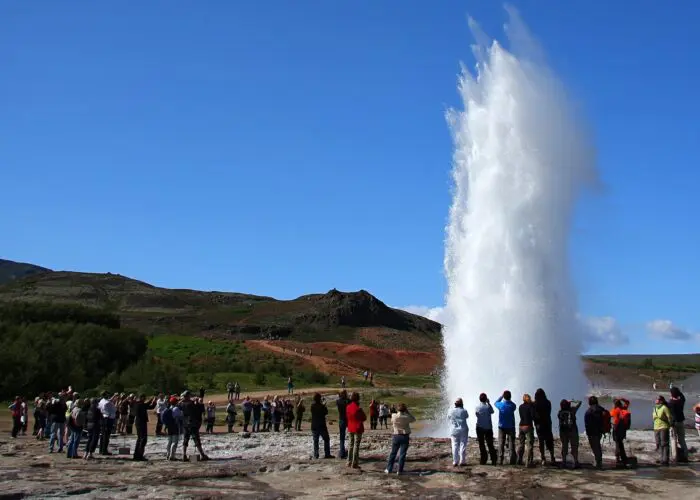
x,y
356,416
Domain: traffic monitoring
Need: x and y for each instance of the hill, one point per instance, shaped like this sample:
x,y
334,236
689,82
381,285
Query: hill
x,y
348,317
10,270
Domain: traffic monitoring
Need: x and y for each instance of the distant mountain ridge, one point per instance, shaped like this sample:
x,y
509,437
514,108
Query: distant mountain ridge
x,y
11,270
348,317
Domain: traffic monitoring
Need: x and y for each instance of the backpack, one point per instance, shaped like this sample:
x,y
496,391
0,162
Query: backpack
x,y
607,421
566,420
167,417
626,420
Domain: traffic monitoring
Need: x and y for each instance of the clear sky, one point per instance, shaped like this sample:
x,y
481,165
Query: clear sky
x,y
284,148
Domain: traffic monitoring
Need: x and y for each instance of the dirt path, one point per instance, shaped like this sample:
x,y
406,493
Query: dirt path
x,y
323,364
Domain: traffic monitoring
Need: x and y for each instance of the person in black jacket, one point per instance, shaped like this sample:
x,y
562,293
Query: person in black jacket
x,y
93,424
141,423
192,420
57,410
543,424
527,430
342,403
319,429
676,405
594,429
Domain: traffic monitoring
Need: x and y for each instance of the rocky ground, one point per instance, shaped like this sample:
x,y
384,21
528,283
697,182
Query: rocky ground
x,y
279,466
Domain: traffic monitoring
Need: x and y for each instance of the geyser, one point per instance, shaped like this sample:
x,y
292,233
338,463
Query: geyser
x,y
521,159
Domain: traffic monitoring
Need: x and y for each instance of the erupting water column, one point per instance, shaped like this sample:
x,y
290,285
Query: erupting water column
x,y
521,159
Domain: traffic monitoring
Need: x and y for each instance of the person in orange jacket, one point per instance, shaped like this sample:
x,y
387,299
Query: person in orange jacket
x,y
621,419
355,417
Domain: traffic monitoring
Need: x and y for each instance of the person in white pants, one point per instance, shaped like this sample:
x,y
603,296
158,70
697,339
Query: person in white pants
x,y
459,433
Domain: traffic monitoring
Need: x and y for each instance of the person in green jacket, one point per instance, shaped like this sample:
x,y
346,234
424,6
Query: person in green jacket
x,y
662,425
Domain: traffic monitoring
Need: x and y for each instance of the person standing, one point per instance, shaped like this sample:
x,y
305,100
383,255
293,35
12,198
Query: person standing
x,y
192,421
543,425
319,428
527,430
93,425
290,385
211,417
161,404
621,419
506,426
229,389
300,409
16,412
342,403
247,408
594,421
568,430
109,414
172,420
663,421
459,432
257,411
373,414
141,424
484,430
676,405
355,418
58,411
76,422
400,439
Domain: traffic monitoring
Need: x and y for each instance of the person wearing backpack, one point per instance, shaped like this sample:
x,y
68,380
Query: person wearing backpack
x,y
662,425
621,420
595,420
568,430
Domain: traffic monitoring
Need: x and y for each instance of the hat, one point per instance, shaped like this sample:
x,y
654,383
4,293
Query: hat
x,y
173,400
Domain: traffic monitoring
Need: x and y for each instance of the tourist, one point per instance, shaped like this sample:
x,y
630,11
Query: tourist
x,y
342,382
319,428
230,391
506,426
247,408
93,425
459,432
290,385
24,418
76,422
342,403
527,430
141,423
543,425
211,417
373,414
192,421
267,414
595,428
257,410
16,412
300,409
663,421
676,404
161,403
172,420
40,416
400,439
355,419
384,415
484,430
122,414
621,420
697,418
568,430
230,415
109,414
57,410
132,415
237,390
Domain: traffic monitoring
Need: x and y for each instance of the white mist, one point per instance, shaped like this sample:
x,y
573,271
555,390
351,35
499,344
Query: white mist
x,y
521,159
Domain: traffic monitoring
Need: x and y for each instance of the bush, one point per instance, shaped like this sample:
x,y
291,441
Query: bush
x,y
260,378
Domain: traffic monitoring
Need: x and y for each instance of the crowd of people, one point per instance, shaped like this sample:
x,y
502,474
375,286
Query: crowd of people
x,y
67,420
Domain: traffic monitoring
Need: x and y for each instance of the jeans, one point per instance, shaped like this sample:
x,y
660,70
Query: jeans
x,y
16,425
297,423
662,437
57,429
322,433
93,435
569,438
594,442
485,438
620,454
172,445
342,427
399,444
526,435
678,437
459,448
354,448
503,436
74,443
256,424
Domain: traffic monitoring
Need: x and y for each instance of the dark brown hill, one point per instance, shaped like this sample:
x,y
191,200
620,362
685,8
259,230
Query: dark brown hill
x,y
11,270
334,316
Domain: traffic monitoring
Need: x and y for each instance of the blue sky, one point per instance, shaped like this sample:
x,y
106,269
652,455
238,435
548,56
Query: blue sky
x,y
283,148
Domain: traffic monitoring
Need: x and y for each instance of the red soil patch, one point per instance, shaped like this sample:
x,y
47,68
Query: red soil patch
x,y
336,358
